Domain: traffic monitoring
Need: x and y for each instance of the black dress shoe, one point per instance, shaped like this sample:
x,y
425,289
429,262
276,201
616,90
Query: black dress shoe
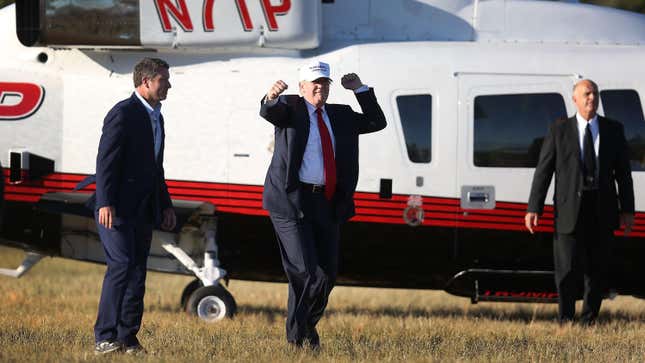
x,y
313,338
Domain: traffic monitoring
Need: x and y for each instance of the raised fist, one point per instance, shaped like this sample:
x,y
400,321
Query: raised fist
x,y
276,90
351,81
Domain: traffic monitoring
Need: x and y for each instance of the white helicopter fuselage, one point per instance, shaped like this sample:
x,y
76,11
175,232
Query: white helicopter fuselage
x,y
450,57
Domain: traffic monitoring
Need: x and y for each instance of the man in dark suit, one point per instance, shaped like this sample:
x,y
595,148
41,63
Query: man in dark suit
x,y
131,199
589,156
310,185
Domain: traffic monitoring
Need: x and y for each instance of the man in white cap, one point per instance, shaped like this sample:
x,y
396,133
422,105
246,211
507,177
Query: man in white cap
x,y
310,185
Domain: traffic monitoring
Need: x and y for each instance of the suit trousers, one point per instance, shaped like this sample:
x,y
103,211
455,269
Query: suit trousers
x,y
584,253
126,248
309,250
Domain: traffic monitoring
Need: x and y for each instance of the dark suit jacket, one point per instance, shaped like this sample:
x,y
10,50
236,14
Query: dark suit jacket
x,y
127,175
561,154
282,195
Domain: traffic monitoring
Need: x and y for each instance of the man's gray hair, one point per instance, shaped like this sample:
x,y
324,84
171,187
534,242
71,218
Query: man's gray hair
x,y
575,86
148,68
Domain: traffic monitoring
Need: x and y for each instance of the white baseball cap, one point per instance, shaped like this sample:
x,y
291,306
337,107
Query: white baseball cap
x,y
314,70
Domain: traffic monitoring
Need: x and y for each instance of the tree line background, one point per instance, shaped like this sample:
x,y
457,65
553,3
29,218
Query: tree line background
x,y
632,5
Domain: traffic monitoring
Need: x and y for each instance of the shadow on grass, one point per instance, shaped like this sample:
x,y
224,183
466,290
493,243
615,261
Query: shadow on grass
x,y
267,312
164,308
271,314
478,312
525,315
522,315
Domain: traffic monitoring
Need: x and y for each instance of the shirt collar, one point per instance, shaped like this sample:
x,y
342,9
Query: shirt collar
x,y
151,111
582,123
311,109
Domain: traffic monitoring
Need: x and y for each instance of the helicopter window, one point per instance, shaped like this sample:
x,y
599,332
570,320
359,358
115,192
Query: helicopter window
x,y
509,129
415,112
625,106
78,22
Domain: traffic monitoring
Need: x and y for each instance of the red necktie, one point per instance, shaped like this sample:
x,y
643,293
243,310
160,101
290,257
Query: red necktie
x,y
328,157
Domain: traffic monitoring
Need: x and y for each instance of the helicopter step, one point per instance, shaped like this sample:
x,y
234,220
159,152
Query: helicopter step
x,y
504,285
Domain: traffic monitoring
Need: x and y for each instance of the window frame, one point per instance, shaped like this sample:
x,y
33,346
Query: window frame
x,y
473,128
403,148
602,106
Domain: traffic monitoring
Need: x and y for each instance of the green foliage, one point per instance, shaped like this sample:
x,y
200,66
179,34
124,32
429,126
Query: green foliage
x,y
632,5
4,3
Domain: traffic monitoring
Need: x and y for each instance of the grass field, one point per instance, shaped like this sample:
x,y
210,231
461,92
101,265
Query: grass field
x,y
47,316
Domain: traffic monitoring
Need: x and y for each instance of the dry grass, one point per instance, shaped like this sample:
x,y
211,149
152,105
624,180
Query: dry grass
x,y
48,315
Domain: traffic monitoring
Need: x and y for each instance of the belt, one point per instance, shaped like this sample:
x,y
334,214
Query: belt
x,y
314,188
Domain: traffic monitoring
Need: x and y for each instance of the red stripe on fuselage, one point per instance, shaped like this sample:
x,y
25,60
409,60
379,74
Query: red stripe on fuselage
x,y
247,199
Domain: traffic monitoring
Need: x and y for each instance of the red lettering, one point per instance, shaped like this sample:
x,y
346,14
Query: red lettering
x,y
208,15
209,25
31,97
179,12
270,11
244,15
521,294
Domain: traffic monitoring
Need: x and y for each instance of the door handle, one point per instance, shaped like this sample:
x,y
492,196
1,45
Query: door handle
x,y
478,197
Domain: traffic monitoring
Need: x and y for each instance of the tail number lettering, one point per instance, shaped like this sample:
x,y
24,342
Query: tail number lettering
x,y
179,12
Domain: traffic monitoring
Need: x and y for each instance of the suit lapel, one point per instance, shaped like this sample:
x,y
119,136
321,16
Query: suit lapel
x,y
572,134
146,122
159,157
331,113
338,133
602,140
296,141
302,122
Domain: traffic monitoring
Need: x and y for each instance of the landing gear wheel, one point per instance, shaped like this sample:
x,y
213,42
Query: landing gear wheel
x,y
188,290
211,303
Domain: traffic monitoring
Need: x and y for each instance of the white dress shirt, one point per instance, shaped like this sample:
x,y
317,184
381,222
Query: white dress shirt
x,y
312,169
155,116
595,136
